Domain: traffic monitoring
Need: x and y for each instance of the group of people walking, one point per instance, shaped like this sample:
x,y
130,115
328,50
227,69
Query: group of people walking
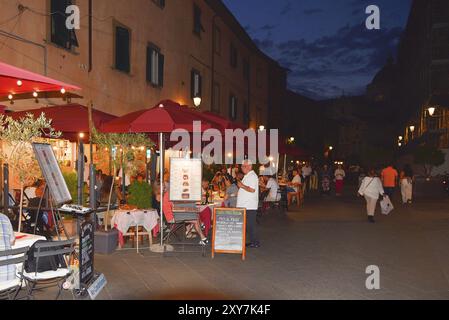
x,y
374,186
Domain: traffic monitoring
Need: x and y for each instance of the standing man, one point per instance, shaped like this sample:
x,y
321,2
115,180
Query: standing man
x,y
306,173
248,198
389,180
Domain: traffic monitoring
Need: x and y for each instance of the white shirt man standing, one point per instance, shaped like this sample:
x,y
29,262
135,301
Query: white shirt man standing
x,y
306,173
248,198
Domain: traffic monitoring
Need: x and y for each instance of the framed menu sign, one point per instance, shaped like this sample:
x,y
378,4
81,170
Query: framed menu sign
x,y
52,173
229,231
185,179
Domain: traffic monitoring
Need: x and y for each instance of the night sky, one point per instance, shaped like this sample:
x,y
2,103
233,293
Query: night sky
x,y
324,43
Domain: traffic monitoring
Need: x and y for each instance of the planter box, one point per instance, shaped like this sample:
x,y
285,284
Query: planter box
x,y
106,242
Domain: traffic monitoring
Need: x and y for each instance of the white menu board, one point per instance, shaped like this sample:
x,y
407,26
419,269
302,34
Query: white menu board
x,y
52,173
185,179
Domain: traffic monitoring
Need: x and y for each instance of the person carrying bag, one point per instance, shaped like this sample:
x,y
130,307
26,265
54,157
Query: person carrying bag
x,y
371,189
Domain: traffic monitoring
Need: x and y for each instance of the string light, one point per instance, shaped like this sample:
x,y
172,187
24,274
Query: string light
x,y
35,94
19,83
63,91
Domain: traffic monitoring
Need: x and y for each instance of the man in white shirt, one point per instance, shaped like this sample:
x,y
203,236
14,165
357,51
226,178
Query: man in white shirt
x,y
306,173
273,186
248,198
294,189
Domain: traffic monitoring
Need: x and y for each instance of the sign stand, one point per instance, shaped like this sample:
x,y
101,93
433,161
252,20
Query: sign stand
x,y
229,232
58,194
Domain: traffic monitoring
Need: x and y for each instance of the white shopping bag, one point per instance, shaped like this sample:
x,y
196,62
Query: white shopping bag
x,y
386,205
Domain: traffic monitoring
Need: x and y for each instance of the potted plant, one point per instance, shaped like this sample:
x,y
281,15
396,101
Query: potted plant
x,y
140,194
19,135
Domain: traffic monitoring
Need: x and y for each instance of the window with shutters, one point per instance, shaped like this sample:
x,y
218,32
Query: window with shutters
x,y
246,69
155,66
196,84
232,107
122,48
160,3
197,26
59,34
234,56
216,98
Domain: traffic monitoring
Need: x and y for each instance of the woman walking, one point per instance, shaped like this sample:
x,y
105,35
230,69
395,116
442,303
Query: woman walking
x,y
339,180
371,189
406,179
325,180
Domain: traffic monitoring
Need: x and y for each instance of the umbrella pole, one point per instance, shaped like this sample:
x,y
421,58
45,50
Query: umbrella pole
x,y
285,166
161,174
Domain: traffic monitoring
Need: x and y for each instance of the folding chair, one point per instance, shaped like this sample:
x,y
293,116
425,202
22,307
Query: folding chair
x,y
181,218
278,204
10,289
49,279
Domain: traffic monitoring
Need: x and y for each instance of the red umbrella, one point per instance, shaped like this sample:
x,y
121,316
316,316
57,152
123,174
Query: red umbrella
x,y
71,119
165,117
15,81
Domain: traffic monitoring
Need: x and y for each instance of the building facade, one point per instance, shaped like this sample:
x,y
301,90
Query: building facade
x,y
131,54
422,92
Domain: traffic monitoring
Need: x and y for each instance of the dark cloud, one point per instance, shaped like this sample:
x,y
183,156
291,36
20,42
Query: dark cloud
x,y
265,44
313,11
351,55
268,27
286,9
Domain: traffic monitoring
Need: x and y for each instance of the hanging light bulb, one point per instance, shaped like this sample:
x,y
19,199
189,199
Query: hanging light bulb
x,y
63,91
19,83
35,94
10,96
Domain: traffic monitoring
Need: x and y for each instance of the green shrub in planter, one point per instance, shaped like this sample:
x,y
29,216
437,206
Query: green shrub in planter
x,y
71,179
140,195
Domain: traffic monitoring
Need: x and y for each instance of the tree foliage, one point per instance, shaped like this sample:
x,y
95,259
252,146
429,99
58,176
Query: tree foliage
x,y
429,157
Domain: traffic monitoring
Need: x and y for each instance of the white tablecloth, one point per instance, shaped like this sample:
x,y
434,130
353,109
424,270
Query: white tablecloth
x,y
123,221
26,240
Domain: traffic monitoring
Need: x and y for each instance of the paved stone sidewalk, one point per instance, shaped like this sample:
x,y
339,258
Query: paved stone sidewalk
x,y
318,252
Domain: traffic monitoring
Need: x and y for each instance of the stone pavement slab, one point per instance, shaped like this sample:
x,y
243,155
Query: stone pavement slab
x,y
320,251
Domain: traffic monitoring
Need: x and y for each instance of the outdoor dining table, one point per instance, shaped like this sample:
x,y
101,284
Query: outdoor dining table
x,y
26,240
123,220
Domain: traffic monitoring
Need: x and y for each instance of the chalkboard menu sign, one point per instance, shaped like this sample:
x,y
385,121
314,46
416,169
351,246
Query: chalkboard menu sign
x,y
229,232
86,250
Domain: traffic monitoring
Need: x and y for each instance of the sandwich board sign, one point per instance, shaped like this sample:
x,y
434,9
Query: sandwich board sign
x,y
229,231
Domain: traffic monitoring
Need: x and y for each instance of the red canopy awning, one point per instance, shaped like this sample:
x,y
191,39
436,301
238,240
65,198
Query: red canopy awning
x,y
30,82
71,119
165,117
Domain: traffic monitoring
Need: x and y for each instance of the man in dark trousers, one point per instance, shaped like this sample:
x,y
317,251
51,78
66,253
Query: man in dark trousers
x,y
248,198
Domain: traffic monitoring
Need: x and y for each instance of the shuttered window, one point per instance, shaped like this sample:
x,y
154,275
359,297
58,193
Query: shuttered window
x,y
155,66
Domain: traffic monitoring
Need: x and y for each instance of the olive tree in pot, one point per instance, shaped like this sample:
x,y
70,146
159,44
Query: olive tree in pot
x,y
17,152
126,145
